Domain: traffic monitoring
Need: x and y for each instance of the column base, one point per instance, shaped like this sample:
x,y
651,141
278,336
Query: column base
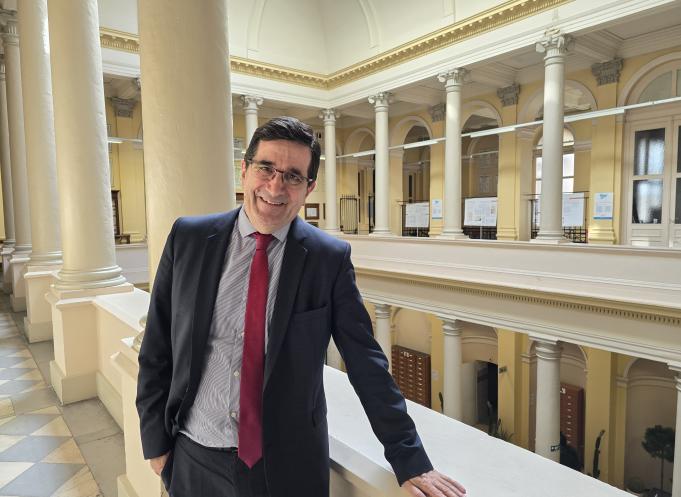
x,y
507,234
17,266
105,278
37,332
38,322
76,342
453,235
74,387
385,232
551,239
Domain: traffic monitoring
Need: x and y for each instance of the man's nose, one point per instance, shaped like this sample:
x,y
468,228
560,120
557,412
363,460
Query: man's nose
x,y
277,183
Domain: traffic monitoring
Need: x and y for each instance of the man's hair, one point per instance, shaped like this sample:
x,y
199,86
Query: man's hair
x,y
290,129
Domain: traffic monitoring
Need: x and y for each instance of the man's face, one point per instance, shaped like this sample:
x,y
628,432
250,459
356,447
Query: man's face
x,y
271,204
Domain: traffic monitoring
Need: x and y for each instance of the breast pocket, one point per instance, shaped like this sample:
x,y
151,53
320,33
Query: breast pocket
x,y
311,319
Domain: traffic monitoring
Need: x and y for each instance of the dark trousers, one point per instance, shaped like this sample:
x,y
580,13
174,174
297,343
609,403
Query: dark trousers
x,y
193,470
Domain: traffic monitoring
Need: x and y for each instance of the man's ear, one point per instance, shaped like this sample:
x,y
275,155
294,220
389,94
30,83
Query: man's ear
x,y
243,169
310,187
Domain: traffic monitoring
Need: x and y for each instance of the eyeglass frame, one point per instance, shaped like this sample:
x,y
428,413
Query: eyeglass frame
x,y
268,164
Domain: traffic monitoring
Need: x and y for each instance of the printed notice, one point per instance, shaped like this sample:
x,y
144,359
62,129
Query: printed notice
x,y
436,208
480,211
603,205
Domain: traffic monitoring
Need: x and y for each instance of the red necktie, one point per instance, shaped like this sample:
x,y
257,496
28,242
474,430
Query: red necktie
x,y
253,361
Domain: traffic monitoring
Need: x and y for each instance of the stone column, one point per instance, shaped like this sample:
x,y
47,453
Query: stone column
x,y
382,333
451,204
329,116
251,104
41,163
676,474
7,202
547,433
452,389
17,147
189,169
509,198
382,161
554,45
83,176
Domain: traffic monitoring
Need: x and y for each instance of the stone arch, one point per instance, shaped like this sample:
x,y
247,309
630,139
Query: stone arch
x,y
628,89
471,106
534,104
400,131
355,139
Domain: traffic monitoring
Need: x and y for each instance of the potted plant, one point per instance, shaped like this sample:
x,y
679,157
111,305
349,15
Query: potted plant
x,y
659,443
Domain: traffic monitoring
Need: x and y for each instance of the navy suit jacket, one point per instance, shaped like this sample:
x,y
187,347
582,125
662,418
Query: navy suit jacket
x,y
317,298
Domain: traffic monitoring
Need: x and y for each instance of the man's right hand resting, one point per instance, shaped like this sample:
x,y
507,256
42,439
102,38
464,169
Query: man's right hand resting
x,y
157,463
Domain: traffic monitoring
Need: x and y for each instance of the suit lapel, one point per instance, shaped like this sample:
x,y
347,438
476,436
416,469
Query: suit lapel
x,y
289,279
210,272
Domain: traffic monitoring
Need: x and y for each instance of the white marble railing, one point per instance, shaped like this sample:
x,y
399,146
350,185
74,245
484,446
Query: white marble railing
x,y
134,261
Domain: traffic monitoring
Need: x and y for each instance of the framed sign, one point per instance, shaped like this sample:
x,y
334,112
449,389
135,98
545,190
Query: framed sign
x,y
312,211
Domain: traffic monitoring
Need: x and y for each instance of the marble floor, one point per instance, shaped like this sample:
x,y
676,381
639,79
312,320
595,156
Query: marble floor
x,y
49,450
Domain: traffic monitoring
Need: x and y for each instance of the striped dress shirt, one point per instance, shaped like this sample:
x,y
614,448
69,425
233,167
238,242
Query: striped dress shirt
x,y
213,419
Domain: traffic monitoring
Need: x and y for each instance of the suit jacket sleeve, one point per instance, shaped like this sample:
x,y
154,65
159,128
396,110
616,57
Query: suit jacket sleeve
x,y
156,360
368,372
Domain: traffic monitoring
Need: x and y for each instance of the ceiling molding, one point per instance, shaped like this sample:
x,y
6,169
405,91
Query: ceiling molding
x,y
507,13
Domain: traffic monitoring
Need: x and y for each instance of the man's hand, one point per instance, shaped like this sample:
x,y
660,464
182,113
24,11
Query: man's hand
x,y
433,484
157,463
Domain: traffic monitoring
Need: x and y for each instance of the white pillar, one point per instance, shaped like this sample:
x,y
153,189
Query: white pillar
x,y
547,433
382,164
383,334
17,147
329,116
554,45
452,389
7,201
453,81
251,104
190,168
41,164
83,177
7,207
676,474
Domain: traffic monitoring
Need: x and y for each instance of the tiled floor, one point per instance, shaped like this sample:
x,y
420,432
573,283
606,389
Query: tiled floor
x,y
48,450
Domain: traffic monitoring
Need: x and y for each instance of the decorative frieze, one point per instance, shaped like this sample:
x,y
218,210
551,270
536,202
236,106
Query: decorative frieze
x,y
509,95
607,72
437,112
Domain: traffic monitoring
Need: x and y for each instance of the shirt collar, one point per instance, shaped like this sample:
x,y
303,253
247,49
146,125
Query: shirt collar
x,y
247,229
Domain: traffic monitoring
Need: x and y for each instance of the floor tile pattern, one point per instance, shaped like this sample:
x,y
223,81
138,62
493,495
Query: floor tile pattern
x,y
39,454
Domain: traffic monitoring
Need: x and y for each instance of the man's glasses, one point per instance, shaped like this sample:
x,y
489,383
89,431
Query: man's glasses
x,y
267,172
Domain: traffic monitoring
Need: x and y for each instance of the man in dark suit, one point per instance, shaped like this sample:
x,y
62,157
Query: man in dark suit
x,y
244,303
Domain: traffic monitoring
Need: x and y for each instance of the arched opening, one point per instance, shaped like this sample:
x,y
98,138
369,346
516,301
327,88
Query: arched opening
x,y
357,181
416,183
479,375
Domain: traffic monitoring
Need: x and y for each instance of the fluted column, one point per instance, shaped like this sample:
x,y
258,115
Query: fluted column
x,y
7,202
452,390
17,142
554,46
676,474
383,334
82,149
251,104
382,164
547,433
453,81
41,158
41,164
189,169
329,116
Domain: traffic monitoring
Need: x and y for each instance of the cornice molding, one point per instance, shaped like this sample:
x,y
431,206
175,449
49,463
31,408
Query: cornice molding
x,y
488,20
644,313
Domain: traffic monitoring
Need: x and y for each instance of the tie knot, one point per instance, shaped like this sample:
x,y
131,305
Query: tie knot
x,y
262,240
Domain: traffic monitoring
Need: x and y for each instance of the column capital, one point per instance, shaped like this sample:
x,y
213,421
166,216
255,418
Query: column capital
x,y
451,327
382,311
438,112
10,33
509,95
251,102
329,116
554,43
381,99
453,77
607,72
547,348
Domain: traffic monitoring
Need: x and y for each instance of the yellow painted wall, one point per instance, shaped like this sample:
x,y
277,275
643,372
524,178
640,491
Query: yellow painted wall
x,y
510,388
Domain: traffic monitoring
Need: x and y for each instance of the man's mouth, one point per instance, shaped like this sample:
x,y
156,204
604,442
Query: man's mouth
x,y
271,202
